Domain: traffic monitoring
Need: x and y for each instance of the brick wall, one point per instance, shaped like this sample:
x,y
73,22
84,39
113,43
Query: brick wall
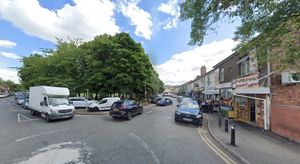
x,y
285,109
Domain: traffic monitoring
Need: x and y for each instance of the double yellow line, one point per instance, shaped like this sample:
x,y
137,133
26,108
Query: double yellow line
x,y
214,148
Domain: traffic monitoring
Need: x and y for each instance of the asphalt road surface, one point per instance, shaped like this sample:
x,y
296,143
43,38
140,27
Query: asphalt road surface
x,y
153,137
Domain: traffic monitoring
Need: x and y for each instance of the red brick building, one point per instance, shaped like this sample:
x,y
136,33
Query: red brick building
x,y
285,108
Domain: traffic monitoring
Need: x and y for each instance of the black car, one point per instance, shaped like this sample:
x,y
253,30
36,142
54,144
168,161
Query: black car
x,y
189,111
206,107
125,109
155,100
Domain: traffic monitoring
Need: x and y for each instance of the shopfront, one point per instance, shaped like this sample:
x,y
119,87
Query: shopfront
x,y
251,102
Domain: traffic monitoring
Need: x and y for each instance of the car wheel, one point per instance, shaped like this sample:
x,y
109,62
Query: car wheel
x,y
32,112
129,115
175,119
47,117
114,117
141,112
96,109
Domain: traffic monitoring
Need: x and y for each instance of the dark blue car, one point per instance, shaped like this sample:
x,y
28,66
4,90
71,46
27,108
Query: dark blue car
x,y
189,111
164,102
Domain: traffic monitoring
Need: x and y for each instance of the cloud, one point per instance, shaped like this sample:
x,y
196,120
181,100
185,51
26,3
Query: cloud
x,y
138,17
185,66
10,55
82,20
7,44
171,8
9,74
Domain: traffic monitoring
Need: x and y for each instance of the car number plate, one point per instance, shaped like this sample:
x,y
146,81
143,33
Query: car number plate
x,y
187,119
116,110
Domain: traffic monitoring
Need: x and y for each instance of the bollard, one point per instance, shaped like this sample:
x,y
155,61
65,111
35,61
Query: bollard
x,y
232,138
226,124
220,120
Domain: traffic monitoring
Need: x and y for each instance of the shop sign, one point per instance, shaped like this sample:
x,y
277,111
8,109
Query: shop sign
x,y
250,81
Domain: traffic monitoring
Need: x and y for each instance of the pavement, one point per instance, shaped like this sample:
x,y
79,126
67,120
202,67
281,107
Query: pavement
x,y
153,137
254,145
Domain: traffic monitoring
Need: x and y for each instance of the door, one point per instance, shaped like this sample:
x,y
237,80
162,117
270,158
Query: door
x,y
44,106
134,107
252,110
104,104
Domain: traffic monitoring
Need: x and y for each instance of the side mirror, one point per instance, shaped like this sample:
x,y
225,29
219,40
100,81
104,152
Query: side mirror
x,y
177,106
42,103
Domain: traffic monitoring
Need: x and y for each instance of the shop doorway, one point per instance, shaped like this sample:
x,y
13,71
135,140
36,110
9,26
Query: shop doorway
x,y
252,110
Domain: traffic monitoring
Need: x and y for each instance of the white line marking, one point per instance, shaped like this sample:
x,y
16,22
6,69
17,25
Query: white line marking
x,y
18,116
149,112
146,147
27,119
36,135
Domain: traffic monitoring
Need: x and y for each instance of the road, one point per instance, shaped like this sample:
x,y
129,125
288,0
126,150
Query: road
x,y
153,137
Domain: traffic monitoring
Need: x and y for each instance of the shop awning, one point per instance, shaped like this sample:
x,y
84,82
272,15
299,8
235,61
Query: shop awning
x,y
211,92
261,90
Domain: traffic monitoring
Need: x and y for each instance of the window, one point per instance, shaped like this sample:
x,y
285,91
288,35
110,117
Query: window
x,y
45,101
244,68
221,74
103,101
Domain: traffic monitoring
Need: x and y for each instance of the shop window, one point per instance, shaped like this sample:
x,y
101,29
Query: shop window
x,y
241,102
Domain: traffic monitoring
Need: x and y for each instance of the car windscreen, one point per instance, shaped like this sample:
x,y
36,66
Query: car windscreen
x,y
58,101
190,104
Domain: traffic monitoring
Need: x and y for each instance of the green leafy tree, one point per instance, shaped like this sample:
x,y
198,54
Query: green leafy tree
x,y
105,65
276,23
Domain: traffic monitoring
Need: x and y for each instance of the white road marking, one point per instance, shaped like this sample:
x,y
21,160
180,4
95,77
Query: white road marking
x,y
149,112
36,135
146,147
26,118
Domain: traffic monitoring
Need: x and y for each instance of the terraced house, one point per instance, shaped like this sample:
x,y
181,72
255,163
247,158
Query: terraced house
x,y
252,93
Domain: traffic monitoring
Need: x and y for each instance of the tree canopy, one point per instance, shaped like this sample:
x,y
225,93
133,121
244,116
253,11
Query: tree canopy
x,y
105,65
276,23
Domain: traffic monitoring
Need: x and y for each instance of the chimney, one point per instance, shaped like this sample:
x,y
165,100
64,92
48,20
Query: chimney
x,y
203,70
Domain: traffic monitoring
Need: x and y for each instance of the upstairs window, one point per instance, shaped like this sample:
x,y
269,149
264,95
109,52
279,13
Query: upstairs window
x,y
244,68
221,74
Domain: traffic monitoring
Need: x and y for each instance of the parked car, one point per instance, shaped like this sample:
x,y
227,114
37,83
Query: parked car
x,y
125,109
156,99
179,98
189,111
20,100
79,102
165,101
104,104
206,107
26,103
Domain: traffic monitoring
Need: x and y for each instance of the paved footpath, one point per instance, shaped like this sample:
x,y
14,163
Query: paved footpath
x,y
253,145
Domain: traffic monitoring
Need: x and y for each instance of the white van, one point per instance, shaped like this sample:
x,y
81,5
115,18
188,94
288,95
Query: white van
x,y
104,104
51,102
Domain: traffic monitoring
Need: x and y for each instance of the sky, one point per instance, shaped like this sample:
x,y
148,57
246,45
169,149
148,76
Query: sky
x,y
27,26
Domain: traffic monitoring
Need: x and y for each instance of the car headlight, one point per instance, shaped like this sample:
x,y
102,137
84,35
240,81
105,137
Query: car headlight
x,y
177,112
53,111
199,116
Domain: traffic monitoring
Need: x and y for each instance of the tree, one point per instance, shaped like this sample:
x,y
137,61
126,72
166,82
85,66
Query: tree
x,y
105,65
276,23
